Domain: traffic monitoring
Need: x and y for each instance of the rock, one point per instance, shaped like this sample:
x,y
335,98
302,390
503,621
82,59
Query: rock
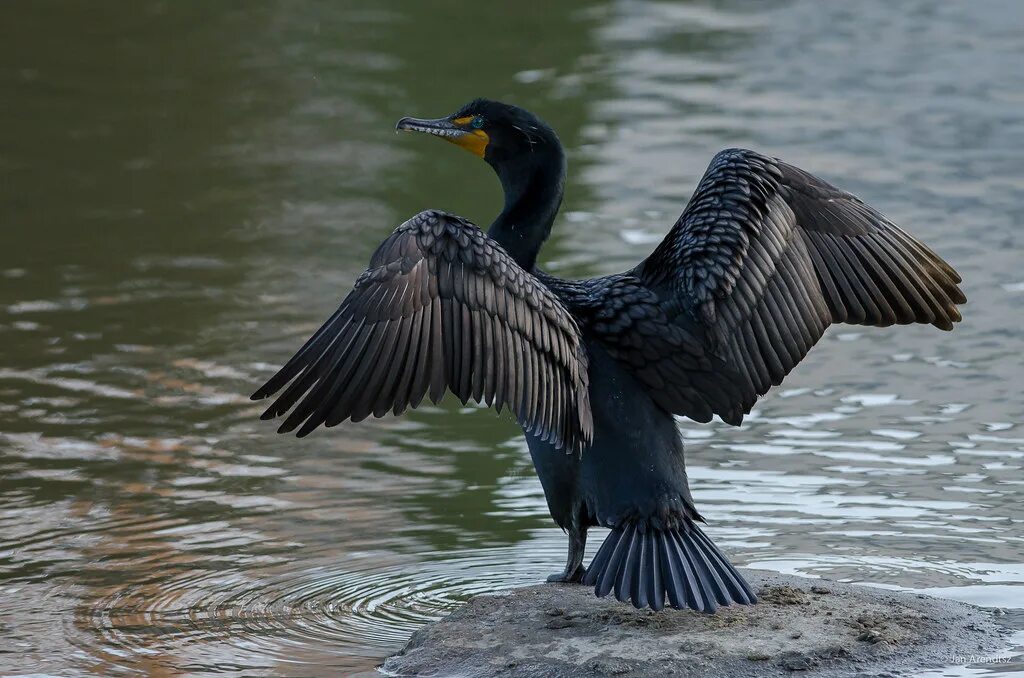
x,y
825,629
871,636
797,661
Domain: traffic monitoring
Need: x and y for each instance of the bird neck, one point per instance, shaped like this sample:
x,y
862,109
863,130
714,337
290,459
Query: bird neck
x,y
533,189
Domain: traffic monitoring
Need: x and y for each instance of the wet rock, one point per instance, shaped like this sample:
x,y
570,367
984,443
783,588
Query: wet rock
x,y
783,595
833,652
871,636
827,629
797,661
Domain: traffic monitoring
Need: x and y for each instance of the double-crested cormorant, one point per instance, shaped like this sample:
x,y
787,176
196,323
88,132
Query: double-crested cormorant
x,y
764,258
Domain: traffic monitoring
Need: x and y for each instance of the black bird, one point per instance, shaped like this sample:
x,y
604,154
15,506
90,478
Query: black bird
x,y
764,258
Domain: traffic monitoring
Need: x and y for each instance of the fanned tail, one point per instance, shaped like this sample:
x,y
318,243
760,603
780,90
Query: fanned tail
x,y
647,566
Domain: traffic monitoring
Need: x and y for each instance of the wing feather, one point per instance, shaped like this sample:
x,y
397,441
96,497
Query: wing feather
x,y
764,258
442,307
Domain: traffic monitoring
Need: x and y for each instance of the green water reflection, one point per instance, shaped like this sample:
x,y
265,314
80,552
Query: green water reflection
x,y
188,188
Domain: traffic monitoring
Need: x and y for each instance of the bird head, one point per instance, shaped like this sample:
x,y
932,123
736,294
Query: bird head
x,y
499,133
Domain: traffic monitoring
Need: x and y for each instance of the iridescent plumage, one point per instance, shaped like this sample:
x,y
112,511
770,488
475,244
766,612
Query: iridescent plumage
x,y
762,260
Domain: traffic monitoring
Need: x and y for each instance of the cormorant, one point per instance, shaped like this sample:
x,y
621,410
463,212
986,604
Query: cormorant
x,y
764,257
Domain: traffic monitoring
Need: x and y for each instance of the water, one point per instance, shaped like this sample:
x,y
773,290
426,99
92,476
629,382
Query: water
x,y
188,190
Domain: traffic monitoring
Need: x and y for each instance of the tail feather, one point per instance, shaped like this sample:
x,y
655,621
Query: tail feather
x,y
618,548
625,583
681,566
674,577
641,585
696,590
657,586
737,587
602,556
707,581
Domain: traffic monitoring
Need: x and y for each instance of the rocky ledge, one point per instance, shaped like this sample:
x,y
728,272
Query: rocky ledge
x,y
815,627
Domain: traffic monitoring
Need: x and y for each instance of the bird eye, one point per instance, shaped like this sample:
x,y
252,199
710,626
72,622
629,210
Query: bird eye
x,y
477,122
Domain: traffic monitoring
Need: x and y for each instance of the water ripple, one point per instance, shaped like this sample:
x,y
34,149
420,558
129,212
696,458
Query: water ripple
x,y
364,609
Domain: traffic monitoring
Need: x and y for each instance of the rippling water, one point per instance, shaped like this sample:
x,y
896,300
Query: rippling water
x,y
188,190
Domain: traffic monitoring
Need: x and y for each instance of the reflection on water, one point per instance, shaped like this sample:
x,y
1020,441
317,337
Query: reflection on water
x,y
189,189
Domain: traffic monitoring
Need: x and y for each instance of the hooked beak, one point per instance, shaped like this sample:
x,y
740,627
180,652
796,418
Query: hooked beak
x,y
441,127
473,140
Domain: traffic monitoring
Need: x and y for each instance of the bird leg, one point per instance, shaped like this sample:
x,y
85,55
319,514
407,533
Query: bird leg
x,y
574,569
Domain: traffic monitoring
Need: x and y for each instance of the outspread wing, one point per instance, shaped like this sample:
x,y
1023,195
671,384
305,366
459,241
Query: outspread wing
x,y
764,258
442,306
652,335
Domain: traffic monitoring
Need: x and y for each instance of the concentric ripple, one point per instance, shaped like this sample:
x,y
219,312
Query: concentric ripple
x,y
362,608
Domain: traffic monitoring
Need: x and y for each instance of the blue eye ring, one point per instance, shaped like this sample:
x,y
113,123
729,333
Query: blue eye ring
x,y
477,122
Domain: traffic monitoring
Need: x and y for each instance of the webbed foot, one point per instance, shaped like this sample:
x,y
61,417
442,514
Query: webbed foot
x,y
567,577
